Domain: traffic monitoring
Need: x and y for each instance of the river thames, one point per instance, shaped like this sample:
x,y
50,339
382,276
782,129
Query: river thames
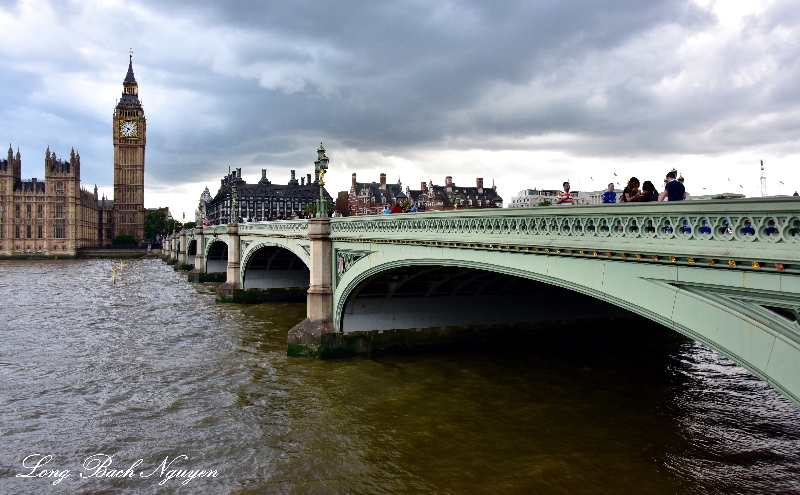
x,y
152,369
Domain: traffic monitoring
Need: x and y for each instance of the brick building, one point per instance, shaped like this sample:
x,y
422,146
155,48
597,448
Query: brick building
x,y
431,197
370,198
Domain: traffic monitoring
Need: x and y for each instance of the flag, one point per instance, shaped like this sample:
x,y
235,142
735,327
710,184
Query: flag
x,y
781,182
615,175
741,186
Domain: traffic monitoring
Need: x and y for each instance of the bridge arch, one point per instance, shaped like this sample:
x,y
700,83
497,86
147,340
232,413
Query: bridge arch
x,y
191,251
268,265
763,341
216,256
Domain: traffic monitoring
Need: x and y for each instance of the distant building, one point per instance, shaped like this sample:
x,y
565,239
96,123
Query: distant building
x,y
202,207
370,198
431,197
263,200
534,197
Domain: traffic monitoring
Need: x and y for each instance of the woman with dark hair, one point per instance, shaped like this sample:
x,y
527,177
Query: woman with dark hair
x,y
649,192
631,193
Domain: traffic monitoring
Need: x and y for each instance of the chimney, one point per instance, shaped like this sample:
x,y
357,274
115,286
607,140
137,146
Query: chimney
x,y
263,173
308,178
448,181
354,180
479,184
383,181
292,175
302,181
238,173
423,186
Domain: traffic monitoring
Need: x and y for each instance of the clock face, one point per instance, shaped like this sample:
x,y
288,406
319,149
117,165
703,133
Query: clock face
x,y
128,128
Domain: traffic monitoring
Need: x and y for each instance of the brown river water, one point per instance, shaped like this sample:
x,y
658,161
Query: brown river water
x,y
95,377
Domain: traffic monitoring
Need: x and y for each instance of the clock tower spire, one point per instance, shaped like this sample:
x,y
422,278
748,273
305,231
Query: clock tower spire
x,y
130,137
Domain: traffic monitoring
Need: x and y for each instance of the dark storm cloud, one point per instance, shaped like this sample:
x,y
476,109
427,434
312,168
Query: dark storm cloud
x,y
410,74
259,84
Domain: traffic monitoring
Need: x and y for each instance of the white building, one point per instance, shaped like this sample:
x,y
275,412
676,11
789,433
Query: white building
x,y
533,197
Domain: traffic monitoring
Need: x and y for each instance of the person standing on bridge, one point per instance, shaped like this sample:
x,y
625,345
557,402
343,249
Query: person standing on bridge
x,y
397,208
565,197
674,190
610,196
631,193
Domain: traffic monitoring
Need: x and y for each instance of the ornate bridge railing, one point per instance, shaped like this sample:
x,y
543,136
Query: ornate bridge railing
x,y
759,233
279,228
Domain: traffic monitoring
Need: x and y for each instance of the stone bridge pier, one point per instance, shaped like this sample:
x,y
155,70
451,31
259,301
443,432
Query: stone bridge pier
x,y
233,280
317,330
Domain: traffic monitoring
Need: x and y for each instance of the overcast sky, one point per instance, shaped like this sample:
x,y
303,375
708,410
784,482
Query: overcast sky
x,y
524,93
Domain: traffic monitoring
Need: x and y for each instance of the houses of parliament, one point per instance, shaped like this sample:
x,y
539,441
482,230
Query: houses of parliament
x,y
56,215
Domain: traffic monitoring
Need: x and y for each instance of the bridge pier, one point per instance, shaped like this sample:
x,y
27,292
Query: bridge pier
x,y
315,336
195,275
181,249
172,251
233,283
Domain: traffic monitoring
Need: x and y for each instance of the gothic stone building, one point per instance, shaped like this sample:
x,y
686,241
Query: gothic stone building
x,y
263,200
57,215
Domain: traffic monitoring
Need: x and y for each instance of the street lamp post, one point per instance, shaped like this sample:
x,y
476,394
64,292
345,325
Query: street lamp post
x,y
234,213
321,166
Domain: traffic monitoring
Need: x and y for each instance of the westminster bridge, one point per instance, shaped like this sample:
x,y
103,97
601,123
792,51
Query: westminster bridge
x,y
725,273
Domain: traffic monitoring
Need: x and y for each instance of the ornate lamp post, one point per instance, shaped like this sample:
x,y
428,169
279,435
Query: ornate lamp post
x,y
320,167
234,212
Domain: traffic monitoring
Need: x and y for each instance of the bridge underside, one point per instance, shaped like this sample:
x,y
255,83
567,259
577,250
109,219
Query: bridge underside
x,y
423,297
217,260
274,267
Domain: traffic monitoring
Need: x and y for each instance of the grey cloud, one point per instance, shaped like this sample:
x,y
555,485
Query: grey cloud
x,y
392,77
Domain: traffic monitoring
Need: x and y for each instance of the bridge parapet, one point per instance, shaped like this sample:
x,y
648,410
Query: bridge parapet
x,y
282,227
762,231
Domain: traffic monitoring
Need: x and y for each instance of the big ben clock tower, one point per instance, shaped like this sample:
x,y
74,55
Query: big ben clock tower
x,y
130,137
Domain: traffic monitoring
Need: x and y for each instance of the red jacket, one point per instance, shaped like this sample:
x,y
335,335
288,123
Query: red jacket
x,y
396,209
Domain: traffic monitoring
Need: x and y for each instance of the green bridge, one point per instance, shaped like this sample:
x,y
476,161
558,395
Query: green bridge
x,y
725,273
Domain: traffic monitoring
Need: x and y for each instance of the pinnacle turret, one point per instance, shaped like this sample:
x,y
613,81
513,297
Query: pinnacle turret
x,y
129,78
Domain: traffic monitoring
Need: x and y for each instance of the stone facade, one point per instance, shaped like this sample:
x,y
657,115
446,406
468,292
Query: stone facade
x,y
57,216
263,200
129,130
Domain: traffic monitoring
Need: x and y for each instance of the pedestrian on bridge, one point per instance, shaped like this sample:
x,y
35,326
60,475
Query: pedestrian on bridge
x,y
674,190
610,196
649,192
631,193
564,197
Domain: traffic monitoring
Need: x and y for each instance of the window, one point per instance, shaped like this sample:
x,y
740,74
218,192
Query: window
x,y
59,213
28,210
40,232
29,231
108,233
17,210
16,232
39,211
59,232
60,187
